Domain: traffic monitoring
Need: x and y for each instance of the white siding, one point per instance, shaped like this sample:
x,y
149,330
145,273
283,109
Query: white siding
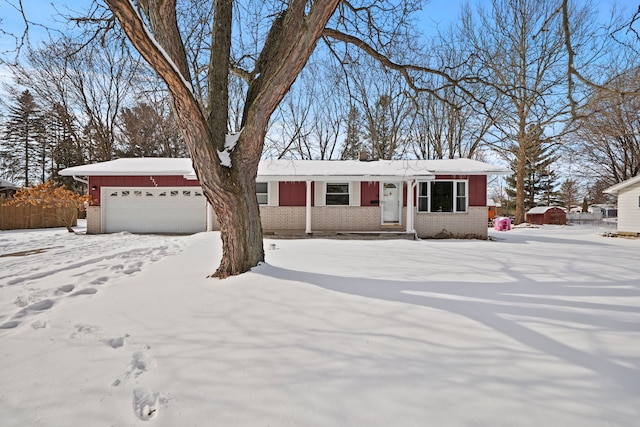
x,y
354,194
319,190
274,195
629,209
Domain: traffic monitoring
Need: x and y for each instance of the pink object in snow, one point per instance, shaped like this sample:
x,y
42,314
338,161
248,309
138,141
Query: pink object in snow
x,y
502,223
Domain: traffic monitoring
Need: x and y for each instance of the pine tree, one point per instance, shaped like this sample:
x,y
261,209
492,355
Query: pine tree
x,y
540,184
66,146
24,136
352,143
379,128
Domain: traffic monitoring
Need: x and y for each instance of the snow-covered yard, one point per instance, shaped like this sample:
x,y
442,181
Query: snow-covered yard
x,y
538,328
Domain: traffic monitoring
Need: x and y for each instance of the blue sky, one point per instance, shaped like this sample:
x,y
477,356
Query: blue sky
x,y
435,13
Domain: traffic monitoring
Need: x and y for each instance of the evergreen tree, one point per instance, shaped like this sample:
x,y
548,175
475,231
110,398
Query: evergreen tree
x,y
540,180
379,128
24,136
66,145
352,143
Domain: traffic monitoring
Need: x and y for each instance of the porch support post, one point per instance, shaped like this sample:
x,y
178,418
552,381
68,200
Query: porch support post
x,y
308,209
410,208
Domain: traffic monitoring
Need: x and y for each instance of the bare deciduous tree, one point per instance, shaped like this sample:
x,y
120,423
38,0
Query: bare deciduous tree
x,y
609,133
94,79
521,46
294,29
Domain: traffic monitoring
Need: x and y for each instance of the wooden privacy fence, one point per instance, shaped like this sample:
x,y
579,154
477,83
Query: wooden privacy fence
x,y
29,216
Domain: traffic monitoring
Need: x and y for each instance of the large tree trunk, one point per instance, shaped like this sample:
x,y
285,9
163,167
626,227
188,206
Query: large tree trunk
x,y
229,188
232,194
520,175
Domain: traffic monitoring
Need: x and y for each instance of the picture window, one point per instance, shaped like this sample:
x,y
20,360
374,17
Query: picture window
x,y
442,196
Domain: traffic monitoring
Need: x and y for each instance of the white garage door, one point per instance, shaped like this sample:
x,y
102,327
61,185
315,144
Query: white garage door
x,y
154,210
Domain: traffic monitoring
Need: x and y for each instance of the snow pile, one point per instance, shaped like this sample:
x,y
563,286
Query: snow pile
x,y
539,327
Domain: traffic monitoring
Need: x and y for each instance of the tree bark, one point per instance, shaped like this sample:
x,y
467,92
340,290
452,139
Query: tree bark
x,y
229,188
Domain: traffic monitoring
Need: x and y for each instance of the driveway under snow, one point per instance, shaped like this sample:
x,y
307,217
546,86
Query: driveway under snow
x,y
540,327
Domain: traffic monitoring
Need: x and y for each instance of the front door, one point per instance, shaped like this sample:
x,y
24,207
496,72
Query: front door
x,y
391,202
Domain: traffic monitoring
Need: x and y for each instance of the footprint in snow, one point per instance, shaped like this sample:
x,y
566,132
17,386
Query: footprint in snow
x,y
10,324
39,324
145,403
84,329
140,362
22,301
133,268
65,289
85,291
37,306
99,280
116,342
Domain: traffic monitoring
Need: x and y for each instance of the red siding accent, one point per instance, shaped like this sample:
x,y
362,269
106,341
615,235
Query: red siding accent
x,y
294,193
477,190
369,194
136,181
404,195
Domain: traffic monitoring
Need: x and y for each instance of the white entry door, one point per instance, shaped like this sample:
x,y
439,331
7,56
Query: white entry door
x,y
391,202
153,210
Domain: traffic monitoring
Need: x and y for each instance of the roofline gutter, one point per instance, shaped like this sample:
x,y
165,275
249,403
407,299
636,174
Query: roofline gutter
x,y
340,178
84,181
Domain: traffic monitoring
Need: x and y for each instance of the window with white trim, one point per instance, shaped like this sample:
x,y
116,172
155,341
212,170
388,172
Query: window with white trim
x,y
337,194
442,196
262,193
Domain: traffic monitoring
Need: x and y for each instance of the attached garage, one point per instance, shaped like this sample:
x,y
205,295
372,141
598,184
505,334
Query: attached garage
x,y
153,209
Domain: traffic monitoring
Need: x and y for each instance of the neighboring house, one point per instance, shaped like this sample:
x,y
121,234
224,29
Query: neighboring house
x,y
547,215
7,189
605,210
425,198
628,193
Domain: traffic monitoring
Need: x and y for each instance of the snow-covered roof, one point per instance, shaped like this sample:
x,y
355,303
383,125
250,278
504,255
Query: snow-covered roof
x,y
133,166
622,185
273,170
542,209
276,170
4,184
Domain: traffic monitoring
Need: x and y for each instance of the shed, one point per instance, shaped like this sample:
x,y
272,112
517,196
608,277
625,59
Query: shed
x,y
547,215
